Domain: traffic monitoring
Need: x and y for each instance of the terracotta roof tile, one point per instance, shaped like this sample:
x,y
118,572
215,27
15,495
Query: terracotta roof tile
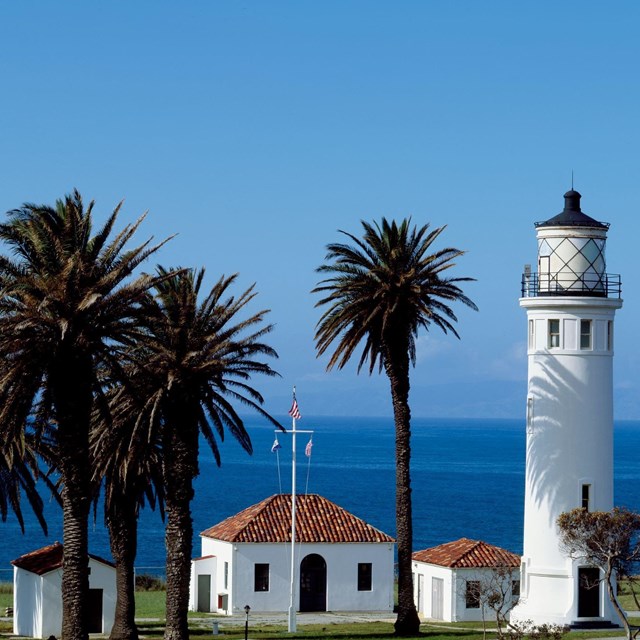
x,y
47,559
465,553
317,520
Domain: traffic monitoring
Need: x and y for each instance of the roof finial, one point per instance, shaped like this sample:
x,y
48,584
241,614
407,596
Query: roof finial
x,y
571,179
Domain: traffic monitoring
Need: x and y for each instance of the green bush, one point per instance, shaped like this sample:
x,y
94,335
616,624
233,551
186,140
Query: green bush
x,y
146,582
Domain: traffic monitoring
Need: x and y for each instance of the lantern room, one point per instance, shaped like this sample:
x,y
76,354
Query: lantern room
x,y
571,256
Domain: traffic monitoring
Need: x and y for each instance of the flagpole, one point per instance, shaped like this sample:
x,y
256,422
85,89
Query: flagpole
x,y
295,415
292,590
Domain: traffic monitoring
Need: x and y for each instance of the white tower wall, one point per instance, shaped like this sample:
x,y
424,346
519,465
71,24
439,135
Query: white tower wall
x,y
569,425
569,445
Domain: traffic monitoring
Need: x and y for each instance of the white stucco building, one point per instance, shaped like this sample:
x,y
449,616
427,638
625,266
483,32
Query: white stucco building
x,y
342,563
570,303
451,581
37,596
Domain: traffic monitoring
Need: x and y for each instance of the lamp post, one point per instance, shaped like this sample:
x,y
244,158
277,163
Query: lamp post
x,y
247,608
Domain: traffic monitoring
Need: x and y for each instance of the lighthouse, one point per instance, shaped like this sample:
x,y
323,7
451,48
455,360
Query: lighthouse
x,y
570,302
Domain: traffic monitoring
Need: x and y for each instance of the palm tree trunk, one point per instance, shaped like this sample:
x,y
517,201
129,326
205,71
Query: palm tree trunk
x,y
122,522
181,467
75,571
71,390
397,369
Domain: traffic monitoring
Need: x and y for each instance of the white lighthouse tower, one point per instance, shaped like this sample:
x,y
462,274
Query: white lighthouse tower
x,y
570,303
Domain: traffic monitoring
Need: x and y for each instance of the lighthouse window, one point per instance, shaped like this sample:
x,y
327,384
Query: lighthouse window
x,y
554,334
532,343
585,334
609,335
586,490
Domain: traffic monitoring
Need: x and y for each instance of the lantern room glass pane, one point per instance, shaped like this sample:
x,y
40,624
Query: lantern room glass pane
x,y
544,249
591,251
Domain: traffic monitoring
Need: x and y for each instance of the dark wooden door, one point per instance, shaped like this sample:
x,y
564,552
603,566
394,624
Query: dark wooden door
x,y
95,611
313,583
588,592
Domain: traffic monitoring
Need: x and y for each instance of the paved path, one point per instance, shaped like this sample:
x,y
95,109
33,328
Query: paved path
x,y
325,617
281,619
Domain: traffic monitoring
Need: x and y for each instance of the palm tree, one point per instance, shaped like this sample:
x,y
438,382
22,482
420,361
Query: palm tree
x,y
197,361
67,304
19,473
127,459
381,291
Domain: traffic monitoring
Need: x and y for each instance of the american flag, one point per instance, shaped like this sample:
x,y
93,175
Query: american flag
x,y
307,449
294,412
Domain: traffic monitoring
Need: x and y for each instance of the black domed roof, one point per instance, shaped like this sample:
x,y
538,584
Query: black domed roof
x,y
572,215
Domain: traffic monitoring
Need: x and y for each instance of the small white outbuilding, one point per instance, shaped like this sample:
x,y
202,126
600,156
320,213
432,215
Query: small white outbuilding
x,y
452,581
37,595
342,563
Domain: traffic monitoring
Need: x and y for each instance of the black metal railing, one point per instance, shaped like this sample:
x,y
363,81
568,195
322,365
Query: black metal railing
x,y
569,284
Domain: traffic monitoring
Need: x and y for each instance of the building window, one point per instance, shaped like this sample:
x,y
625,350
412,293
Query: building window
x,y
586,490
532,336
585,334
364,576
609,335
472,595
515,588
226,575
554,334
261,577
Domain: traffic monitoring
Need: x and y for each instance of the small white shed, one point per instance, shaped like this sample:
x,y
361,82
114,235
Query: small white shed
x,y
37,595
452,580
342,563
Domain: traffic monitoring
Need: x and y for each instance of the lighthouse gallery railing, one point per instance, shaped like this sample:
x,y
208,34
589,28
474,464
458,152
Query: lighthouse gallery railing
x,y
569,284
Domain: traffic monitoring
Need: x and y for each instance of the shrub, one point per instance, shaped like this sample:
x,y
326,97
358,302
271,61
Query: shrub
x,y
146,582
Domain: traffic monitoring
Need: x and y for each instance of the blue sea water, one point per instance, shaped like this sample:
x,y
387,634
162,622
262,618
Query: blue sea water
x,y
467,480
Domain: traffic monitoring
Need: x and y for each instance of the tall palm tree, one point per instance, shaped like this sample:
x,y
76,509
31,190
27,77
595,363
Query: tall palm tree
x,y
380,292
197,361
67,304
127,460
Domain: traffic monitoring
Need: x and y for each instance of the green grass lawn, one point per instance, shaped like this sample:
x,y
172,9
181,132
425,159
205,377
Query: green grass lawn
x,y
6,596
150,612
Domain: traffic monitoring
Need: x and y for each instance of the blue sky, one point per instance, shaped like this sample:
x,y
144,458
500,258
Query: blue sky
x,y
255,130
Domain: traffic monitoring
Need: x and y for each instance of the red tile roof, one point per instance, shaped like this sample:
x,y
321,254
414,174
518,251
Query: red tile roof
x,y
317,520
465,553
47,559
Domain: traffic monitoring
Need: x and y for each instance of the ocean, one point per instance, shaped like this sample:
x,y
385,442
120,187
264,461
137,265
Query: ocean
x,y
467,480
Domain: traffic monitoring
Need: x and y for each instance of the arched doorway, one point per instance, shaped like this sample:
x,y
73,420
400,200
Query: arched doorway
x,y
313,583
